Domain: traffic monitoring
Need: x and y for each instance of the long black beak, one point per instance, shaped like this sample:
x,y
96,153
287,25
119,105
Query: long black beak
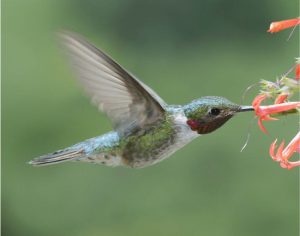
x,y
246,108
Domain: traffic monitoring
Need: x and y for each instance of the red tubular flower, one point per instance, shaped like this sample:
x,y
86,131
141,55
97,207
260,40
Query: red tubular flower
x,y
264,112
281,25
281,99
297,72
284,154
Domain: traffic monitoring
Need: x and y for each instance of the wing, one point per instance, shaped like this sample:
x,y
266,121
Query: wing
x,y
129,103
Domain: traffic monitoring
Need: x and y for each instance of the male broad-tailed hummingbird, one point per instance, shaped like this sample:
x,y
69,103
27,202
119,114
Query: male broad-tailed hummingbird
x,y
146,129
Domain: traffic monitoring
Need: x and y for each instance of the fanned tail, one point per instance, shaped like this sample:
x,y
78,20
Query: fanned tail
x,y
57,157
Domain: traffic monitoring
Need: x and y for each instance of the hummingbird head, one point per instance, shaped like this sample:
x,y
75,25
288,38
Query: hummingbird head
x,y
207,114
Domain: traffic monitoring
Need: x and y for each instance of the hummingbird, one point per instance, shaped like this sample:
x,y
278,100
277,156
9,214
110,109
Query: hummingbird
x,y
146,130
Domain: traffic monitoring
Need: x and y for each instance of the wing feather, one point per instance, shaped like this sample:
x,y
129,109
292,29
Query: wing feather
x,y
130,104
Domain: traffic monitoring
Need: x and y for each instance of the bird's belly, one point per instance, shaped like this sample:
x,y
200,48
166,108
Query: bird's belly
x,y
157,146
150,157
141,158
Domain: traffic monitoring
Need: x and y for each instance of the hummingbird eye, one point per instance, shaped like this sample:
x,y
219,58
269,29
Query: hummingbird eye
x,y
214,111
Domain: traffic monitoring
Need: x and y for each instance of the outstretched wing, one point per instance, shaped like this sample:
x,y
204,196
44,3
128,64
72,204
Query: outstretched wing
x,y
129,103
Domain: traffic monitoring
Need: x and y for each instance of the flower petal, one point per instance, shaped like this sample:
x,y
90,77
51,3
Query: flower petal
x,y
277,108
297,72
272,150
258,99
290,165
281,98
281,25
279,154
292,147
267,117
293,164
261,126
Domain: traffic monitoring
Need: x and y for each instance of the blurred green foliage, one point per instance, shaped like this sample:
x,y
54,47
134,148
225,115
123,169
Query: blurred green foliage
x,y
183,50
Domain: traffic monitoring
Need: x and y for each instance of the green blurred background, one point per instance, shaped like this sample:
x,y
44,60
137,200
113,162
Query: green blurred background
x,y
183,50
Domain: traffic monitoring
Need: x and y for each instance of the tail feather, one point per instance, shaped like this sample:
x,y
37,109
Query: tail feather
x,y
57,157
